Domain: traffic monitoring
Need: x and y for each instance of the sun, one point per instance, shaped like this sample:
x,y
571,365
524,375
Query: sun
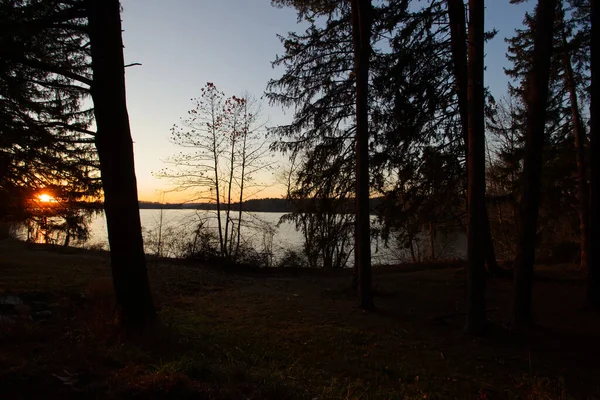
x,y
46,198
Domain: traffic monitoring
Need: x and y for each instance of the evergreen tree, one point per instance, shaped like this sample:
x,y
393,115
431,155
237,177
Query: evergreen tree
x,y
458,43
411,104
537,99
476,321
361,38
45,144
564,176
593,293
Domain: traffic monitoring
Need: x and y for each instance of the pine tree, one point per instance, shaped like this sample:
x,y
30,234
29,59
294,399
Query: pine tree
x,y
45,143
411,105
537,99
456,20
361,37
593,292
476,321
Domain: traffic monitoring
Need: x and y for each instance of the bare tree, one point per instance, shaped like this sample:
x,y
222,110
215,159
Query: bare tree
x,y
222,155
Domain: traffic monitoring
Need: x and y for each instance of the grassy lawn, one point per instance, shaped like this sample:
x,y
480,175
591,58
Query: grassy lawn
x,y
288,335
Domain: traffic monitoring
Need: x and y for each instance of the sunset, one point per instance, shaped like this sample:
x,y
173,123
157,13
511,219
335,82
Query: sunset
x,y
299,199
46,198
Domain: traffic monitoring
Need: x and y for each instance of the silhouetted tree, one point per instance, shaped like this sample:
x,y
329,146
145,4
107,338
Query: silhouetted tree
x,y
326,220
476,172
458,39
593,292
222,152
411,107
537,98
115,151
45,143
563,179
579,135
361,35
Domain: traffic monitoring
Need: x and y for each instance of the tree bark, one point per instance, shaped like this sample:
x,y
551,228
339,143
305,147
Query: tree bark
x,y
593,291
361,33
458,43
115,151
476,321
579,134
537,98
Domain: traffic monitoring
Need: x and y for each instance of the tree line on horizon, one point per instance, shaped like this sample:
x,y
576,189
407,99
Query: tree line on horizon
x,y
389,103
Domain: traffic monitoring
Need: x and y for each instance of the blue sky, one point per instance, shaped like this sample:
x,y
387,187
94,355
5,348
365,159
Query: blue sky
x,y
182,44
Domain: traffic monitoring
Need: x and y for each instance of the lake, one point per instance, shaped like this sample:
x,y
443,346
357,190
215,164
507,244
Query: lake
x,y
263,231
284,235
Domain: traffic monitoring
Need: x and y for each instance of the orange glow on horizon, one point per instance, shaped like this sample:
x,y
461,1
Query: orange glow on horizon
x,y
46,198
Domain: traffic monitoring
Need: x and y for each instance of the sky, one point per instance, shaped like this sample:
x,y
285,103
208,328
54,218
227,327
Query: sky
x,y
182,44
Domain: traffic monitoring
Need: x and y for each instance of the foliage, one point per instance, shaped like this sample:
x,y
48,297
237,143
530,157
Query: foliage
x,y
44,121
413,117
45,144
506,127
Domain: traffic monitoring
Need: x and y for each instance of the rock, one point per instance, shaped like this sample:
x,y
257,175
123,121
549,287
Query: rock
x,y
5,320
40,305
22,309
43,314
10,301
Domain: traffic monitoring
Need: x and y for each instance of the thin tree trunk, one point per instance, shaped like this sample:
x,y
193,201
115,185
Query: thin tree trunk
x,y
217,192
246,128
593,292
476,321
411,247
431,242
160,226
361,33
67,238
579,133
228,234
458,43
115,151
537,98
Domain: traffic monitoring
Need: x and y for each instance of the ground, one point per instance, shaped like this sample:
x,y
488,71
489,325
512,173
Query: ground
x,y
286,334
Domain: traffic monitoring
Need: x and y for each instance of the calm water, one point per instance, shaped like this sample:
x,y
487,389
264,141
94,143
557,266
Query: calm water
x,y
176,224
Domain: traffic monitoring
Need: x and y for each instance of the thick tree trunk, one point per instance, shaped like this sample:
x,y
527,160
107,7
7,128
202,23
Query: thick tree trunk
x,y
537,98
593,292
579,133
115,151
458,43
476,173
361,32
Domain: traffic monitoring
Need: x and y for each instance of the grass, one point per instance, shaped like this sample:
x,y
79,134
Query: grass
x,y
289,335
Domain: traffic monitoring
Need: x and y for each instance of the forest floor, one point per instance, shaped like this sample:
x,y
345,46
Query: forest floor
x,y
285,335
